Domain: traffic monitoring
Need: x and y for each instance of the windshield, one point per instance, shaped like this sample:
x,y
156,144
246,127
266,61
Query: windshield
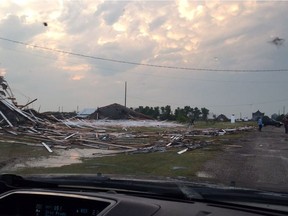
x,y
167,90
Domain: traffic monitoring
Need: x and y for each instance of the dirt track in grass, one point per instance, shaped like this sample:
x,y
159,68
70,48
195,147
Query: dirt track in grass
x,y
258,160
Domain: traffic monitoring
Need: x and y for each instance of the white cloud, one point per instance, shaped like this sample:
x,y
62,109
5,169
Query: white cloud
x,y
181,34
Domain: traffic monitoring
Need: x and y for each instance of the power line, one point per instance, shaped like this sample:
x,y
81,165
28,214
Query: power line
x,y
55,59
145,64
187,78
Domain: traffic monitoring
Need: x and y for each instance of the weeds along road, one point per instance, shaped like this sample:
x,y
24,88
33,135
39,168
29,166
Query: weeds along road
x,y
259,160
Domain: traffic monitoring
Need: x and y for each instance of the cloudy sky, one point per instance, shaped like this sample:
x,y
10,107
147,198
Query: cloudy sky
x,y
214,54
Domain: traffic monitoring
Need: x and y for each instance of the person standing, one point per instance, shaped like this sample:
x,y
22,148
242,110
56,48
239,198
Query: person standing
x,y
260,124
285,121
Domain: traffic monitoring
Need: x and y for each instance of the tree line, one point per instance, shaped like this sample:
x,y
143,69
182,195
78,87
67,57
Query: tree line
x,y
186,114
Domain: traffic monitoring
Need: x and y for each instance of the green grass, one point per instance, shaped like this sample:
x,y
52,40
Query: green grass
x,y
222,125
166,164
11,153
11,150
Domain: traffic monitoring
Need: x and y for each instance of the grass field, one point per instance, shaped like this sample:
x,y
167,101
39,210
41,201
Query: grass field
x,y
153,164
11,150
222,125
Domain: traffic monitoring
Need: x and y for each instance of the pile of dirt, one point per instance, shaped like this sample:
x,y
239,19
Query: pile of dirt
x,y
116,111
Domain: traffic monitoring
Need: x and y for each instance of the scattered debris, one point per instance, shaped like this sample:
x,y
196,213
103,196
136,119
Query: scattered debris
x,y
66,131
221,132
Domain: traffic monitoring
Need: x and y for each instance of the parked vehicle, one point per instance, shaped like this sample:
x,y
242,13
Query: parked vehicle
x,y
268,121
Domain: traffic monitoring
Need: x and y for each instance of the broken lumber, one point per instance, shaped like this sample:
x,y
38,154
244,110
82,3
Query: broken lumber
x,y
104,143
47,147
70,136
182,151
4,117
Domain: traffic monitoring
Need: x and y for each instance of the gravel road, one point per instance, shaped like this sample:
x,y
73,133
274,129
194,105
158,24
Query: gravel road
x,y
258,160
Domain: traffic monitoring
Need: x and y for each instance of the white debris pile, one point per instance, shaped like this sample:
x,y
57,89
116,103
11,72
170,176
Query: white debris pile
x,y
121,123
121,136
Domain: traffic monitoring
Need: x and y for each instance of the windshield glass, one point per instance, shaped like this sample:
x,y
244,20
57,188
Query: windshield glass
x,y
171,90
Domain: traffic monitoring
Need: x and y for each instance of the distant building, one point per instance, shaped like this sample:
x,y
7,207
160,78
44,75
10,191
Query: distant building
x,y
233,119
222,118
257,115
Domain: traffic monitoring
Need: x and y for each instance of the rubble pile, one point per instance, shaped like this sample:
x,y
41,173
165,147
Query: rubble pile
x,y
75,133
56,130
10,113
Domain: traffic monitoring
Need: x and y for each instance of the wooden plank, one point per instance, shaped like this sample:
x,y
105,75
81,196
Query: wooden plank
x,y
104,143
4,117
47,147
13,107
12,132
29,103
182,151
70,136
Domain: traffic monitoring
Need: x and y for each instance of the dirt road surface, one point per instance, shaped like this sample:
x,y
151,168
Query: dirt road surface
x,y
259,160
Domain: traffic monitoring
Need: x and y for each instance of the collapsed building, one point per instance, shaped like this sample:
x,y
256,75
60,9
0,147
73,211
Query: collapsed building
x,y
11,113
27,127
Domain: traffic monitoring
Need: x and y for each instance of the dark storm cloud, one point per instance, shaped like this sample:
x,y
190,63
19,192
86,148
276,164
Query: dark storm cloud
x,y
14,27
157,23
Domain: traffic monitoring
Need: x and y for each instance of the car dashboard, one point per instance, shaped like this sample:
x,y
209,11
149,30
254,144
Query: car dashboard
x,y
42,202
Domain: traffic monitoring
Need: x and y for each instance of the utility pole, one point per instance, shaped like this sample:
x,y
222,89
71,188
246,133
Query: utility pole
x,y
125,93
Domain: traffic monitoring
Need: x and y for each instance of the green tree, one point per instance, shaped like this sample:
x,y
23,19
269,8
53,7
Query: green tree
x,y
205,113
187,110
166,113
196,113
156,113
180,115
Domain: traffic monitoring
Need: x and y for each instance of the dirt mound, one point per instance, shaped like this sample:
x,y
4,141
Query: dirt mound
x,y
116,111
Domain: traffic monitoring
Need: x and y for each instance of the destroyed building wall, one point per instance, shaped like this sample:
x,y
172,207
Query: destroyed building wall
x,y
222,118
257,115
13,117
10,113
